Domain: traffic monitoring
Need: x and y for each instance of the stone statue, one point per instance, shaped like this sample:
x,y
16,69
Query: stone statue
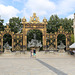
x,y
61,47
34,36
34,43
7,48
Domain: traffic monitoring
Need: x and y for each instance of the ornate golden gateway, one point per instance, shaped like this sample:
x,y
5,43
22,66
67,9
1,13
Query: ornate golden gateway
x,y
2,33
52,37
19,40
34,23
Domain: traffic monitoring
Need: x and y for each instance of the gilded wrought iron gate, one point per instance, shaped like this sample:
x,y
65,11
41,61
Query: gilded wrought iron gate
x,y
18,42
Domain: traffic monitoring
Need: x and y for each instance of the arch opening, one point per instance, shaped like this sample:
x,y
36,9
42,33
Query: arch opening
x,y
61,38
7,38
30,36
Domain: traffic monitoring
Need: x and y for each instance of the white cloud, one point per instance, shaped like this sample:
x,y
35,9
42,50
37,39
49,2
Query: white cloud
x,y
65,6
7,12
71,16
47,7
41,7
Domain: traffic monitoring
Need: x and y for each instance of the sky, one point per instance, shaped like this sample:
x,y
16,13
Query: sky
x,y
42,8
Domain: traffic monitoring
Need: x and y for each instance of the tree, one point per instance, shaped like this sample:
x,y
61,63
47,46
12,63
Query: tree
x,y
72,38
1,25
67,24
61,37
15,24
7,38
31,36
53,24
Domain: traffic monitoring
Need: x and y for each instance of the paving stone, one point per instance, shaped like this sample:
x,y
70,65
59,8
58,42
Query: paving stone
x,y
23,64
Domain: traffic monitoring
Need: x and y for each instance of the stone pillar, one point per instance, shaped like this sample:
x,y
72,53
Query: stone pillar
x,y
74,33
74,27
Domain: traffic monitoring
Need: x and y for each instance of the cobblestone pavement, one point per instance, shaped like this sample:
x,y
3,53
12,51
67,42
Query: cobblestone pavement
x,y
43,64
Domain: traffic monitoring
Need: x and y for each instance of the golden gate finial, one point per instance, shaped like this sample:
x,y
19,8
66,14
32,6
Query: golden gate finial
x,y
45,20
7,26
34,19
23,20
34,14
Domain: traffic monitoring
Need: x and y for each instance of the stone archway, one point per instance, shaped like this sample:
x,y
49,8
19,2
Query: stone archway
x,y
34,23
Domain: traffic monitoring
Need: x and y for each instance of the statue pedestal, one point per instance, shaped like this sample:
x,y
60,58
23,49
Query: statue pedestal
x,y
37,48
61,51
7,51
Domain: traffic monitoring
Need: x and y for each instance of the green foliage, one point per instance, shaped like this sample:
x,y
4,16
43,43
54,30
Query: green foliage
x,y
60,38
7,38
1,25
31,36
55,22
15,24
72,38
67,24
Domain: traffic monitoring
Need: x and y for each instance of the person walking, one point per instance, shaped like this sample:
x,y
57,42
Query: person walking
x,y
34,53
31,53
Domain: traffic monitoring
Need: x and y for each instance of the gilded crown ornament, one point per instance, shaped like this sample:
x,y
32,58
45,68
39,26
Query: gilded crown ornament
x,y
34,19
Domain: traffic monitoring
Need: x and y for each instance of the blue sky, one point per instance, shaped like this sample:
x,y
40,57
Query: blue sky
x,y
43,8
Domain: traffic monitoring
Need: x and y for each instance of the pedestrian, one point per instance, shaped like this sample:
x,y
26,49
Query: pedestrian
x,y
34,53
31,53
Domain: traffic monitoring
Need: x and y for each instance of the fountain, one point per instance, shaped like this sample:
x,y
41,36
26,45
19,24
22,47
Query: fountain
x,y
61,47
34,43
7,48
